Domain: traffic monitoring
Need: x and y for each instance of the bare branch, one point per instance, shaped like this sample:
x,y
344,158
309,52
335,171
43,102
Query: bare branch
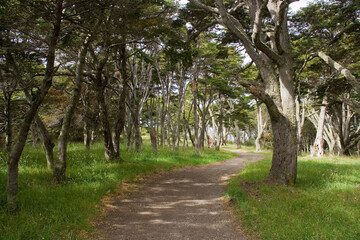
x,y
344,71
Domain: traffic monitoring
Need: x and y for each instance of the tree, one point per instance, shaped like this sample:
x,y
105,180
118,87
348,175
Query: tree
x,y
328,33
60,165
14,157
318,147
269,47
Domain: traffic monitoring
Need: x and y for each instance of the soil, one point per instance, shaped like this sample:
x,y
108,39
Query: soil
x,y
183,204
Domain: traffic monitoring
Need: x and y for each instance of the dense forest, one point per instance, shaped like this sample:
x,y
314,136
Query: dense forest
x,y
202,74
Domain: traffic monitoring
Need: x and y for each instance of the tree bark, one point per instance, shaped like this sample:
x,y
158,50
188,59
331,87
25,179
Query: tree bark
x,y
300,119
284,169
86,118
137,131
220,127
34,135
237,134
129,134
104,116
214,129
94,131
182,90
195,96
261,125
318,147
46,142
43,135
14,157
187,127
8,122
60,164
100,85
152,130
344,71
120,123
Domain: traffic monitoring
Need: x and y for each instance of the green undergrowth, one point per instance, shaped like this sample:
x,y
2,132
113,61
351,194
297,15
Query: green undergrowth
x,y
49,211
323,204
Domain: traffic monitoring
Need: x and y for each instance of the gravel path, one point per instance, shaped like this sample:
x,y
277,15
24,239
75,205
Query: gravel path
x,y
182,204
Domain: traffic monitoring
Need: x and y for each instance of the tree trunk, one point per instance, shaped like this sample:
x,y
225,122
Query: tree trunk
x,y
284,164
162,122
137,131
87,135
318,147
261,125
182,91
158,121
42,134
104,117
220,127
46,142
94,132
300,119
86,116
120,123
187,128
60,164
202,131
100,84
8,121
237,134
14,157
214,128
130,134
195,96
34,135
196,125
152,130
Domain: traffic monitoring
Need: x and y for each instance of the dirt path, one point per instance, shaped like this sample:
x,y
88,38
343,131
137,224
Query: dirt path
x,y
183,204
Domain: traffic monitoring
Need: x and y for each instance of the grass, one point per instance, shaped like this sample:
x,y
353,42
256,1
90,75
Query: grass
x,y
323,204
49,211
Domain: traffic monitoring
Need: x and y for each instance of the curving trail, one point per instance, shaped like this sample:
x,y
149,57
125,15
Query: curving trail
x,y
182,204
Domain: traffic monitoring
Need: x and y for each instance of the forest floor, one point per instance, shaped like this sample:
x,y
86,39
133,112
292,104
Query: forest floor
x,y
186,203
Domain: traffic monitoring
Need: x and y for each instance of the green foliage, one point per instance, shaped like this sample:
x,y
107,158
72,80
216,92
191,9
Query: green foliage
x,y
324,203
51,211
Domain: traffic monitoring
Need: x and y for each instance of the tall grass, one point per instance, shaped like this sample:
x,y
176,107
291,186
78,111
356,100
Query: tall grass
x,y
324,203
49,211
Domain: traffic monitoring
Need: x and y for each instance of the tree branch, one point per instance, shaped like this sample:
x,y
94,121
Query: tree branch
x,y
235,27
344,71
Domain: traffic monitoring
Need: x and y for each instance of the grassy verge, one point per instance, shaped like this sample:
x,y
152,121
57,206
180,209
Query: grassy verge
x,y
324,204
51,211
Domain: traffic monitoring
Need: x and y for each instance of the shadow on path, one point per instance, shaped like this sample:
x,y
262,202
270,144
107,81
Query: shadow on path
x,y
183,204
